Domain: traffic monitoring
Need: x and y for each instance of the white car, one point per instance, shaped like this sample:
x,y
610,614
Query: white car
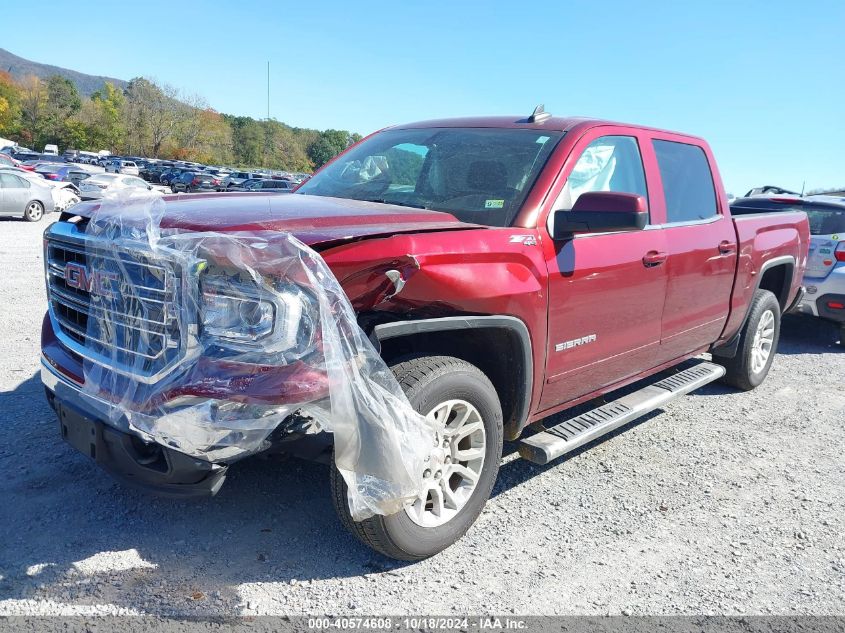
x,y
100,185
117,166
824,276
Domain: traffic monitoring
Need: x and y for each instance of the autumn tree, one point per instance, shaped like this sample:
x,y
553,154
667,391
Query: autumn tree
x,y
33,98
10,106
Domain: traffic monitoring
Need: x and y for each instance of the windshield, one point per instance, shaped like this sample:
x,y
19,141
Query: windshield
x,y
480,175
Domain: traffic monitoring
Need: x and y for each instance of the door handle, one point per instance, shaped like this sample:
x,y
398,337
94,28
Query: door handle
x,y
653,258
726,247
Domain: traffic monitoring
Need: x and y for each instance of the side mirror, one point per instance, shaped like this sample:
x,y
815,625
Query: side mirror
x,y
601,212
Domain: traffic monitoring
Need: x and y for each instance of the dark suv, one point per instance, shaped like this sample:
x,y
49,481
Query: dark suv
x,y
193,182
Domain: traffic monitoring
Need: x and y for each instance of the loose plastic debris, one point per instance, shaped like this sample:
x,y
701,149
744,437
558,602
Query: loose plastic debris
x,y
209,342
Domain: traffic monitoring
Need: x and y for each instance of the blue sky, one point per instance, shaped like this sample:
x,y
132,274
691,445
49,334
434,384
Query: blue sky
x,y
761,81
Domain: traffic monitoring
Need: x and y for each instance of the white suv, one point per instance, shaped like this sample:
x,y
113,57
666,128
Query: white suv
x,y
122,167
824,277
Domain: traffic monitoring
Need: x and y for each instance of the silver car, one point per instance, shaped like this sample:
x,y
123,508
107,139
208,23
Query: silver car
x,y
24,197
118,166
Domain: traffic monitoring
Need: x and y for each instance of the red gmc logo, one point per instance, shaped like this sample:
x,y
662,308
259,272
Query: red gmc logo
x,y
97,282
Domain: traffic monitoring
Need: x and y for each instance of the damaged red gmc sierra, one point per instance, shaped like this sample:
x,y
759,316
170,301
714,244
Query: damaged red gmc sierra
x,y
506,269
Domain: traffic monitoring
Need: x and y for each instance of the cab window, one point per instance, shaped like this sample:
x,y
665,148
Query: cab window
x,y
687,182
609,163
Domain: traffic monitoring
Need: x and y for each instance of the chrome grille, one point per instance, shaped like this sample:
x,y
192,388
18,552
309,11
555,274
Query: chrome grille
x,y
118,307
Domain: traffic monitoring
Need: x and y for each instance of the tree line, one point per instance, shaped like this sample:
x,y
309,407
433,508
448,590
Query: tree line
x,y
157,121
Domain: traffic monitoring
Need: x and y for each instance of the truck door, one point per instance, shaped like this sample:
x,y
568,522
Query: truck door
x,y
702,248
605,290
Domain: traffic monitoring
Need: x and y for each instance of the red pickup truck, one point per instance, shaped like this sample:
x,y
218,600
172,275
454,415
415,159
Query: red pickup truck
x,y
507,269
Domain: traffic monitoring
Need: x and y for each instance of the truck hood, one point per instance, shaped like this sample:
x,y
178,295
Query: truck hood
x,y
314,220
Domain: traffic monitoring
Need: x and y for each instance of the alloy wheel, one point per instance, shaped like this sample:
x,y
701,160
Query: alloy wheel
x,y
454,466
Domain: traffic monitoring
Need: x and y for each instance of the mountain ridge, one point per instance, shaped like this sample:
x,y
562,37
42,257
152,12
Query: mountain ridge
x,y
19,67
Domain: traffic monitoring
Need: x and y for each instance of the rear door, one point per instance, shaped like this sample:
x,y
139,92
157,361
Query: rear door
x,y
605,291
15,192
701,245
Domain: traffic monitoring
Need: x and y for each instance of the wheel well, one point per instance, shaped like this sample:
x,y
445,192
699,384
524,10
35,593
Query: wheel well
x,y
496,351
778,280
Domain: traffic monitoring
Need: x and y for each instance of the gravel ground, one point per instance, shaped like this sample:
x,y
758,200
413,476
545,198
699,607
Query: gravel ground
x,y
723,503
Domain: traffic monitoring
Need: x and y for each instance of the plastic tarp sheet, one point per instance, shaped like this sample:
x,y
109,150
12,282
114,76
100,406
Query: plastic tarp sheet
x,y
208,343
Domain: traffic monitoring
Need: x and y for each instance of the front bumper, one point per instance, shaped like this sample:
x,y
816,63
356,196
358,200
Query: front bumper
x,y
152,467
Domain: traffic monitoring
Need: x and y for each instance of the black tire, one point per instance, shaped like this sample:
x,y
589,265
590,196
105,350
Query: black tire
x,y
428,381
739,370
842,334
34,211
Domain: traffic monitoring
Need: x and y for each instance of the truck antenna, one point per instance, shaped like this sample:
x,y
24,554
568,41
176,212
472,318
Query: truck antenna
x,y
539,115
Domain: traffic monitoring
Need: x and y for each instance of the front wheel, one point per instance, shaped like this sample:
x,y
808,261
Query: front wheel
x,y
463,464
34,211
757,344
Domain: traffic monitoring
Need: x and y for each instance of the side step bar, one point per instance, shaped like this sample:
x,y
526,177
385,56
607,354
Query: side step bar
x,y
582,429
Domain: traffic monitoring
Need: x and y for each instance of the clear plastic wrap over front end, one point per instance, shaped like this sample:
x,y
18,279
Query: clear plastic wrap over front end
x,y
210,342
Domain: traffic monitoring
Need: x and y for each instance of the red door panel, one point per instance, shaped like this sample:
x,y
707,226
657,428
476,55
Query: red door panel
x,y
605,307
701,268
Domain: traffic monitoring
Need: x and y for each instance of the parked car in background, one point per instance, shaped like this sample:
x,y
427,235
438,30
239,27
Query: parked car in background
x,y
5,159
169,176
824,277
245,185
59,172
237,178
118,166
24,196
52,150
194,182
272,185
98,185
64,193
40,159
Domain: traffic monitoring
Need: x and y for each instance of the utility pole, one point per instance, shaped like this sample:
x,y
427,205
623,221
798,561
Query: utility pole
x,y
267,121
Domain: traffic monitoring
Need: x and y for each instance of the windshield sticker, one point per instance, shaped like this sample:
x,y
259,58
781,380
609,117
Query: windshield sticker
x,y
494,204
542,140
834,237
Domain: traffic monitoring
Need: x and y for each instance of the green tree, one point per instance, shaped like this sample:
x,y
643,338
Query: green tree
x,y
106,125
328,145
62,101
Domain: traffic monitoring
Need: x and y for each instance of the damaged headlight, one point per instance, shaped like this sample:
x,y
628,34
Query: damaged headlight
x,y
241,315
236,318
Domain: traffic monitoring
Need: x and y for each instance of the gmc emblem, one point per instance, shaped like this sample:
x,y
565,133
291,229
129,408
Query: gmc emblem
x,y
97,282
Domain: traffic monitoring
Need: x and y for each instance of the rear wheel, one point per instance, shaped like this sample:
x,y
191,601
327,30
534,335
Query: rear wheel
x,y
463,464
34,211
842,334
757,344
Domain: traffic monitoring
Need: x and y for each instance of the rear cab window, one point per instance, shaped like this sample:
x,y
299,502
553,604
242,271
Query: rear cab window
x,y
687,182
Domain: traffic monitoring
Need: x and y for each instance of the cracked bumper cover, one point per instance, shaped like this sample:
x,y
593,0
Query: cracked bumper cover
x,y
153,467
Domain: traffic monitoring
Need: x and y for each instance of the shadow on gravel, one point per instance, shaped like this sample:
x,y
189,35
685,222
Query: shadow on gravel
x,y
271,522
518,471
808,335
